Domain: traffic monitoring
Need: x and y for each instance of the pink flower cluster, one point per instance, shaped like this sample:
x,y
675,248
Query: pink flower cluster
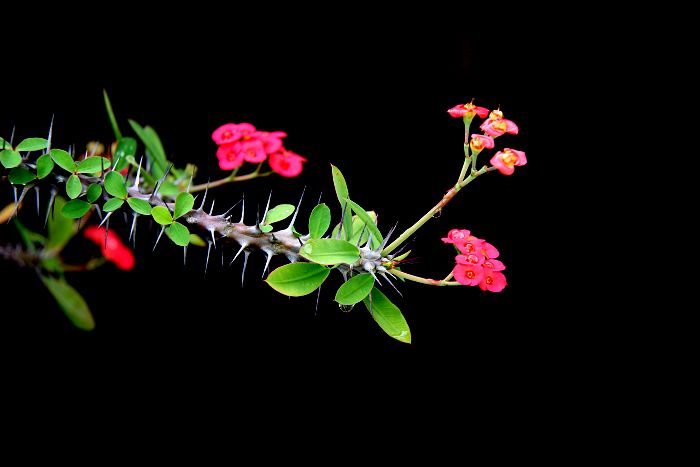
x,y
241,142
113,250
494,126
476,263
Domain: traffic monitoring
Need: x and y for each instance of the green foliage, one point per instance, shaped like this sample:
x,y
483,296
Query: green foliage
x,y
266,228
341,191
369,222
297,279
44,166
94,191
75,209
112,204
112,118
124,153
20,176
32,144
183,204
355,289
64,160
28,237
10,159
61,228
319,221
388,316
93,165
330,251
196,240
140,206
154,148
115,184
178,233
162,215
278,213
5,144
71,302
73,187
169,189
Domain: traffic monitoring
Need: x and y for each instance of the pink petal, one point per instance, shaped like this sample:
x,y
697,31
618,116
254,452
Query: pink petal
x,y
489,250
457,111
511,127
226,134
246,128
462,273
286,164
481,111
494,265
488,128
522,160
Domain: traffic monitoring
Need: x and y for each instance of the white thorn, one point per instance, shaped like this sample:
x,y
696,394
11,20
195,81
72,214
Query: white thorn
x,y
211,211
48,145
243,246
105,218
133,226
267,206
189,184
206,265
245,263
204,199
138,174
267,261
213,238
242,209
36,189
388,279
162,229
296,211
49,208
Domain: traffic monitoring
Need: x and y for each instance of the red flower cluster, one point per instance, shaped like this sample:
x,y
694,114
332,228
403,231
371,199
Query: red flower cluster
x,y
113,250
241,142
477,263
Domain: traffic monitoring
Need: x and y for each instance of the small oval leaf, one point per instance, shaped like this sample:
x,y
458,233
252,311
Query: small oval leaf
x,y
20,176
73,187
32,144
196,240
178,233
319,221
94,191
93,165
388,316
183,204
278,213
63,160
44,166
71,302
355,290
265,228
115,185
369,222
140,206
75,209
161,214
112,204
10,159
330,251
126,150
297,279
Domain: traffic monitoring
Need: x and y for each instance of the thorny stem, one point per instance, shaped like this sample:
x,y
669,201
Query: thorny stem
x,y
230,179
422,280
437,208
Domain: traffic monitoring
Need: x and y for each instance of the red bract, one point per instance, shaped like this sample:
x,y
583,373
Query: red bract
x,y
271,142
468,110
496,125
506,160
113,249
476,265
229,156
252,150
226,134
286,163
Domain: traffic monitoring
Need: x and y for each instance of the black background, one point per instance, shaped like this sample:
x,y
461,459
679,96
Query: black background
x,y
369,98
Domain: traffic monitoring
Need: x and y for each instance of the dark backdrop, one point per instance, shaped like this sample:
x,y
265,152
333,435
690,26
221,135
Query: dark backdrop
x,y
371,100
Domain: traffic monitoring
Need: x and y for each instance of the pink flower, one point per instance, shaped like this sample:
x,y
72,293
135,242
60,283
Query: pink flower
x,y
468,274
469,244
468,111
506,160
286,163
114,250
456,235
488,250
480,142
252,150
493,281
470,258
493,264
496,125
229,156
247,131
272,141
226,134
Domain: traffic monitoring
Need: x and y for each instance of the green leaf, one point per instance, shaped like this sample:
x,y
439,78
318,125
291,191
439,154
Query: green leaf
x,y
402,256
355,290
178,233
112,118
169,189
154,148
63,159
75,208
61,228
278,213
93,165
140,206
369,222
265,228
341,190
196,240
112,204
32,144
125,152
44,166
71,302
319,221
183,204
330,251
10,158
20,176
297,279
162,215
94,191
28,237
73,187
388,317
115,185
295,233
4,144
358,228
